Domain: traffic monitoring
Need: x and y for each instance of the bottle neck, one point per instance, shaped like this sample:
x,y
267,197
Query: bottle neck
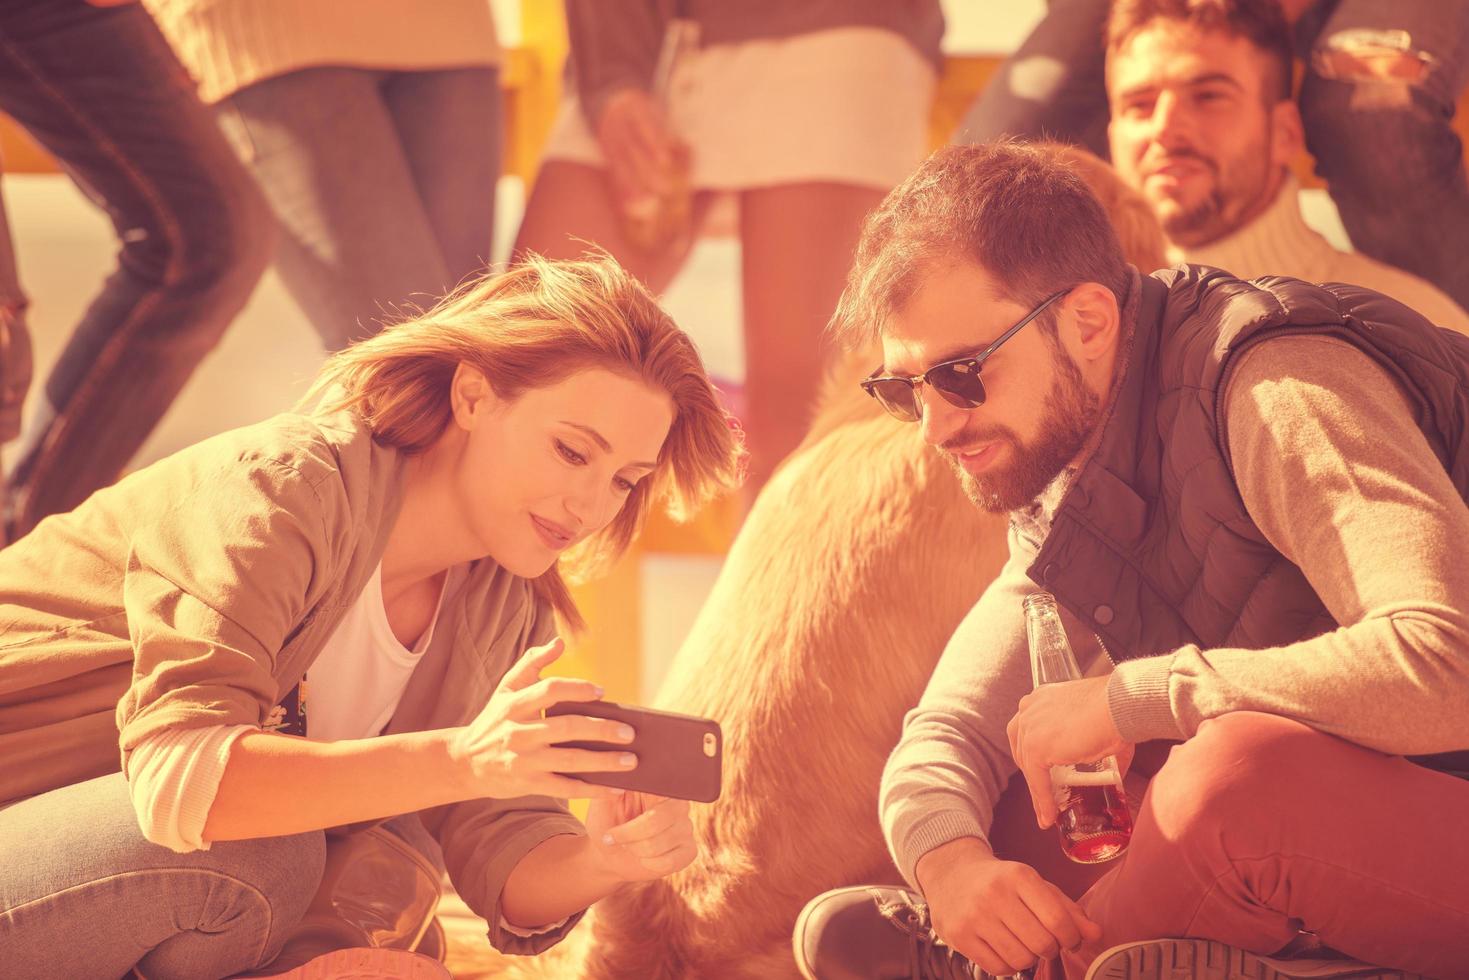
x,y
1051,659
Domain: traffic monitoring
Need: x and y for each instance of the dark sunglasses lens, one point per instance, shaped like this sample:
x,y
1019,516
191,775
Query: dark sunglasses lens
x,y
897,396
958,383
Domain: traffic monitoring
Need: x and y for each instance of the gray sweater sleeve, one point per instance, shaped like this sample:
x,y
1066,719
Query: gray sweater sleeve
x,y
614,45
1332,466
953,761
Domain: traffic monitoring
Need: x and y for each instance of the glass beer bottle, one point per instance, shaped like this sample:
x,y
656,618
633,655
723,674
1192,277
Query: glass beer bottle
x,y
1095,824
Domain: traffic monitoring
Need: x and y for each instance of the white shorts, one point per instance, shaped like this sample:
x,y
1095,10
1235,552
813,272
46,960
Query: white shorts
x,y
848,105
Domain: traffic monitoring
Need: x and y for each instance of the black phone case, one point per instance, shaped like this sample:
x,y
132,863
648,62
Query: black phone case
x,y
670,750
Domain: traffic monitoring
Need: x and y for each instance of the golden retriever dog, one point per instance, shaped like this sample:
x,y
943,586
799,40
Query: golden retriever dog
x,y
852,569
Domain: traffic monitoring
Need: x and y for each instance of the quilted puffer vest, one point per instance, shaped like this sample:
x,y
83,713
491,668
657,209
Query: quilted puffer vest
x,y
1152,546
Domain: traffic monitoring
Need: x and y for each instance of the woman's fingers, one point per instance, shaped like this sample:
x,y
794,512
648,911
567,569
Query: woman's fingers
x,y
652,822
527,670
667,863
651,150
636,142
585,760
583,728
529,702
567,788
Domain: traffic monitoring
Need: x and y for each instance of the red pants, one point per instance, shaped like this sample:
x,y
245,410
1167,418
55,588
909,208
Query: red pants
x,y
1259,827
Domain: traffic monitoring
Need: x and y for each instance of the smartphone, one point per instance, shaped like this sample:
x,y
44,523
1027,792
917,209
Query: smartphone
x,y
679,756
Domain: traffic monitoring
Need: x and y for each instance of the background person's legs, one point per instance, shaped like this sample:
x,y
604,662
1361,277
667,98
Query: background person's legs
x,y
571,211
450,127
1259,827
84,895
16,364
1051,86
103,92
797,242
1378,98
358,239
15,342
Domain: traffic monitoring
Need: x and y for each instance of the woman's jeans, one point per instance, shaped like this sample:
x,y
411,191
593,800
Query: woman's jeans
x,y
382,184
1380,89
102,91
84,895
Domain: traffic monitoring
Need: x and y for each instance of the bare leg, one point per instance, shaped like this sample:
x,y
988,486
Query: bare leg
x,y
571,210
797,243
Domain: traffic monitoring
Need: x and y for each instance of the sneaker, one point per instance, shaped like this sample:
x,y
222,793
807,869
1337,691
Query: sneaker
x,y
364,964
874,933
1206,959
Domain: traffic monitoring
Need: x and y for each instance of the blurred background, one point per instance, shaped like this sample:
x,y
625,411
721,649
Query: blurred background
x,y
639,614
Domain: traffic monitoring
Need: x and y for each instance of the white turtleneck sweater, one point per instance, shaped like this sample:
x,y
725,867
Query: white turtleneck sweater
x,y
1280,243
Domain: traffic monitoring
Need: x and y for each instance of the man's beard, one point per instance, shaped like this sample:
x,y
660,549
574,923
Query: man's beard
x,y
1071,413
1236,191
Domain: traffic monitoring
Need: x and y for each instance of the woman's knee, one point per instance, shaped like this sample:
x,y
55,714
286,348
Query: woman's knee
x,y
240,907
286,871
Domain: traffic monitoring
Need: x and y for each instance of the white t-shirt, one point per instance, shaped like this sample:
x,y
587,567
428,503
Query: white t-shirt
x,y
357,680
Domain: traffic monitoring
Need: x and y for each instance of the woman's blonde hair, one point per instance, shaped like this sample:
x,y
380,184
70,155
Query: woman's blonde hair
x,y
531,327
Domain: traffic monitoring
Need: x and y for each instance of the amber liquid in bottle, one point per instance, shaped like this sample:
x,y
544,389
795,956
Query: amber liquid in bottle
x,y
1095,824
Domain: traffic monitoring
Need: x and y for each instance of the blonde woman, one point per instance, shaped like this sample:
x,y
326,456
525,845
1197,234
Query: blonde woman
x,y
399,545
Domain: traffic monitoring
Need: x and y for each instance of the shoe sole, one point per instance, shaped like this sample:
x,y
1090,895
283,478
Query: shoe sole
x,y
365,964
1205,959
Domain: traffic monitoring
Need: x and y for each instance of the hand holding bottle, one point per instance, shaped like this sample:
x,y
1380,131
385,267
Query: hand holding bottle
x,y
1059,724
1067,746
639,146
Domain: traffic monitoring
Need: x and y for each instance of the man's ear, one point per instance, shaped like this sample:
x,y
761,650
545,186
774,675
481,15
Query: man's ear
x,y
1091,321
470,395
1287,134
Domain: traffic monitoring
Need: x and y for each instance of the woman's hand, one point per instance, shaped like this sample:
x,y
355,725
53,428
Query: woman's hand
x,y
507,751
641,837
639,147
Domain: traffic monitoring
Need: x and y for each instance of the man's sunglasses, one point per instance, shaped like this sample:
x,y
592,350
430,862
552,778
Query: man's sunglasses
x,y
956,381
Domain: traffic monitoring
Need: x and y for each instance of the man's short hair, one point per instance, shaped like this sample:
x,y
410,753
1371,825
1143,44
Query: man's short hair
x,y
1260,22
1017,210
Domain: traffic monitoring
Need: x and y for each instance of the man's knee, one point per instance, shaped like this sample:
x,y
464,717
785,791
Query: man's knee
x,y
1226,779
1359,82
211,242
228,250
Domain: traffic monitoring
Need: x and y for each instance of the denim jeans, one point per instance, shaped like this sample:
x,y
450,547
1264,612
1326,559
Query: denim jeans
x,y
1384,146
102,91
382,183
1052,86
84,895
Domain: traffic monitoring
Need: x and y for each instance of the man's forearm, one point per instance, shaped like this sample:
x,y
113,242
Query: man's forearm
x,y
275,785
557,878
